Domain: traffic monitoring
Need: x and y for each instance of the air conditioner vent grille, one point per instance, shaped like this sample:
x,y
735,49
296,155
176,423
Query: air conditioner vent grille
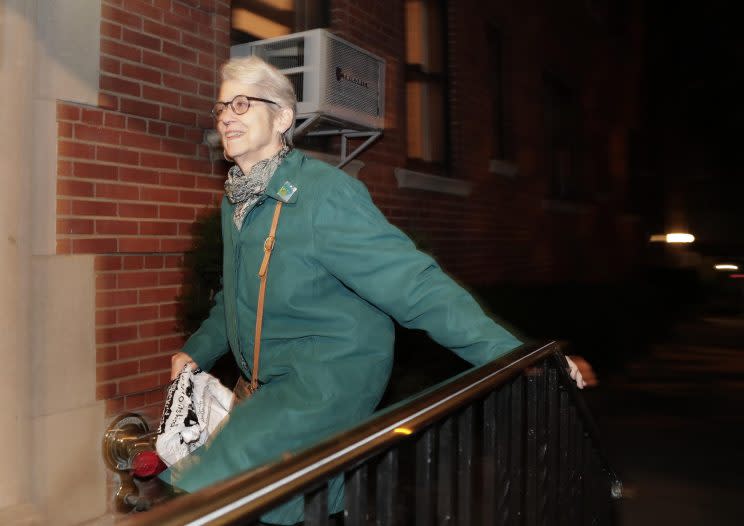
x,y
353,78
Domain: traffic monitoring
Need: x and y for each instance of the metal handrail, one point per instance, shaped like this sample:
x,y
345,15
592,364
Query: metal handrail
x,y
258,490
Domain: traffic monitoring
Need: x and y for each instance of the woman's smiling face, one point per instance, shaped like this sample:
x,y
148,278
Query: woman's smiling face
x,y
252,136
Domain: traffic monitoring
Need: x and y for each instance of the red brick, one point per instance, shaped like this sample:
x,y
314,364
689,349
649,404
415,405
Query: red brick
x,y
177,179
75,150
116,298
67,112
95,171
110,30
142,40
108,101
64,129
139,244
93,208
180,22
118,49
133,314
195,197
180,116
136,124
64,169
106,354
161,30
116,155
117,333
96,134
171,343
64,246
156,363
193,42
123,17
74,226
139,384
154,262
159,161
106,390
134,71
162,96
137,210
158,194
174,261
140,140
106,281
119,85
207,90
114,406
176,212
175,245
136,349
104,263
113,371
179,147
105,317
133,262
138,107
173,50
176,132
158,295
155,397
179,83
216,184
113,120
133,280
94,246
143,8
156,128
194,165
207,60
162,62
197,72
133,402
92,117
110,65
157,328
117,192
169,310
170,277
148,228
73,188
113,227
137,175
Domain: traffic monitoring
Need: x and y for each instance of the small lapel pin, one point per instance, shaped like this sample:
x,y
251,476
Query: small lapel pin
x,y
286,192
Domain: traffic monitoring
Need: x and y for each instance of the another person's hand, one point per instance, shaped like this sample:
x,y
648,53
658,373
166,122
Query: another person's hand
x,y
178,361
581,372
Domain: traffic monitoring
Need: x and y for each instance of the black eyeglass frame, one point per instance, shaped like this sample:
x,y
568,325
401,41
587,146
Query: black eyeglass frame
x,y
227,104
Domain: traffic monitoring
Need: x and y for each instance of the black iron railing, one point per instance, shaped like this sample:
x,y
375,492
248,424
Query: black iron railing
x,y
508,443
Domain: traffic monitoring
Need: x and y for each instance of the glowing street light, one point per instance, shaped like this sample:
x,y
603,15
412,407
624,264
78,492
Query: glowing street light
x,y
676,237
727,266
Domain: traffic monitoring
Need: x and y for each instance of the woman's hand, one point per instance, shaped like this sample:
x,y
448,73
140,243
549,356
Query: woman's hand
x,y
178,361
581,371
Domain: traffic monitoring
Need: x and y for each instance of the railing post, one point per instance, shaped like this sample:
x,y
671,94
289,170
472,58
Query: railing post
x,y
445,474
530,493
553,445
563,465
355,497
465,467
516,474
387,488
425,460
503,449
489,491
316,507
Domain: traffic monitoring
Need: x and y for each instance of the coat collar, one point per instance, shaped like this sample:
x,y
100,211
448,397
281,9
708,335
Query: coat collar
x,y
283,184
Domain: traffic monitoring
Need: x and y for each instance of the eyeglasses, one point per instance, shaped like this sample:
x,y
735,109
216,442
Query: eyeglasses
x,y
239,105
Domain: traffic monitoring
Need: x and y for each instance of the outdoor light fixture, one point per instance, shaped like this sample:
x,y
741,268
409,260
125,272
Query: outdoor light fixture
x,y
676,237
727,266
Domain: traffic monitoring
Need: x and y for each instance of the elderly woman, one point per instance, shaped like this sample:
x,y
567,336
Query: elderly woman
x,y
337,274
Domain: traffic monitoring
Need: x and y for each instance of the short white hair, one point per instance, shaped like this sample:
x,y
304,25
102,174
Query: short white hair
x,y
271,84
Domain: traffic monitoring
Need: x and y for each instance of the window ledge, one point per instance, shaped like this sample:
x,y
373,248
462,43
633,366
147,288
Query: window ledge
x,y
501,167
433,183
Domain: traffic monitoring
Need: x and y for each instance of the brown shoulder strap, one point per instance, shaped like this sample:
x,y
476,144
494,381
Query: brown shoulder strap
x,y
262,273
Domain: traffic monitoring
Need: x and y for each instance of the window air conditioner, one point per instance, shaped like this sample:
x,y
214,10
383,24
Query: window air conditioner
x,y
333,78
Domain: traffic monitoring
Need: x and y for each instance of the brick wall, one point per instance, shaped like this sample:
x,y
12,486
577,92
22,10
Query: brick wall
x,y
133,173
132,177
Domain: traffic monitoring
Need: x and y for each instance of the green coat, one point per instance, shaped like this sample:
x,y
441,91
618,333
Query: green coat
x,y
338,273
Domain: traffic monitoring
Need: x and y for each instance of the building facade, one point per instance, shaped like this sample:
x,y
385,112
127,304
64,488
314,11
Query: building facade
x,y
506,152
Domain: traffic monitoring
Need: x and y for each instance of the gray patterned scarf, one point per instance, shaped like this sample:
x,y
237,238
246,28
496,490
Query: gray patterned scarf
x,y
243,190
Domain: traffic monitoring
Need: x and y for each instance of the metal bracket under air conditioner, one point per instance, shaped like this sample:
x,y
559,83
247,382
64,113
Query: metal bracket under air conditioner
x,y
317,125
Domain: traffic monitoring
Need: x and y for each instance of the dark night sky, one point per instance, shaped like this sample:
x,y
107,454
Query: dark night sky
x,y
694,112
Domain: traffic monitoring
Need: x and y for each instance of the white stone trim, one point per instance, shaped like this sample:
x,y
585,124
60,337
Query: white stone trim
x,y
433,183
